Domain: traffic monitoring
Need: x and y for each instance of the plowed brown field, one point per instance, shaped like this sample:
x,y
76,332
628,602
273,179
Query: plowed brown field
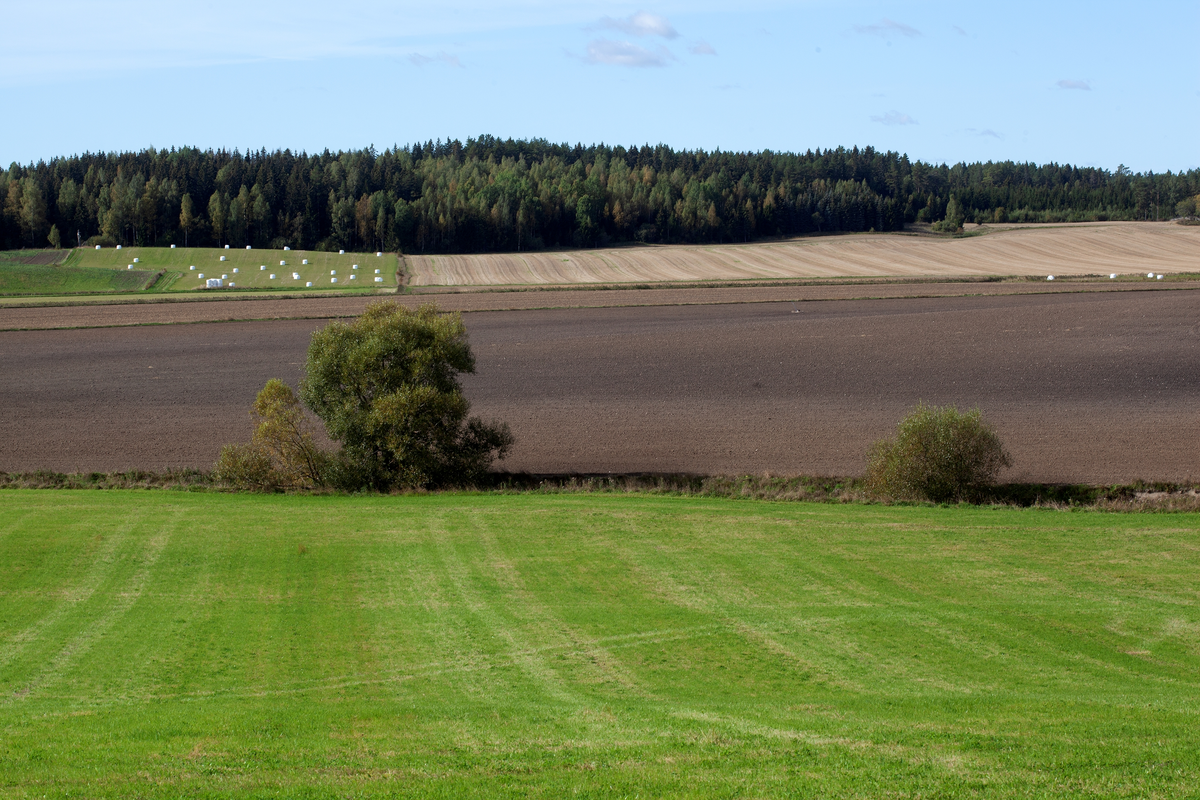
x,y
1082,387
167,313
1058,250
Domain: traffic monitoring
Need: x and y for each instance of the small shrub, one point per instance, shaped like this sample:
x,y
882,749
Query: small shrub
x,y
938,454
244,465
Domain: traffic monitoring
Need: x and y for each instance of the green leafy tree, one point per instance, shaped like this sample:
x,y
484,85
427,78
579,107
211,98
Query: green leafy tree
x,y
55,238
187,217
954,217
33,211
937,454
386,386
218,214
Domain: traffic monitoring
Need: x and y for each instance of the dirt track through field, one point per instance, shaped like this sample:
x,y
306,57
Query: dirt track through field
x,y
1083,387
1057,250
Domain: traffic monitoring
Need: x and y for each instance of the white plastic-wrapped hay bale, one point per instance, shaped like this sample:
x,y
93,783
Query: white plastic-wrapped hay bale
x,y
129,266
172,247
97,247
295,276
1050,278
222,258
286,249
333,280
282,263
225,275
201,276
272,276
262,268
308,283
378,271
1149,274
1112,277
333,272
212,283
354,266
192,268
1159,277
118,247
341,252
226,247
235,269
379,280
377,255
352,277
247,247
304,261
136,260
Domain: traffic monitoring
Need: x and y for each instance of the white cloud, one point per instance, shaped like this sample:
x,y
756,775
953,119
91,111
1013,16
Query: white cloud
x,y
888,28
1085,86
894,118
640,24
985,132
623,54
702,49
421,60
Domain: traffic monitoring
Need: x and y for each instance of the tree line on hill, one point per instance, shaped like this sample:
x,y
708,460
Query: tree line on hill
x,y
502,195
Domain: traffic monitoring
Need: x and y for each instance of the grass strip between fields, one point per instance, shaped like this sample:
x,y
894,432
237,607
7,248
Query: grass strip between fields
x,y
1154,496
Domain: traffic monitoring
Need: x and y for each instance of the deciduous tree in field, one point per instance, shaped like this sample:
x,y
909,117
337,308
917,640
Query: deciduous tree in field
x,y
386,386
283,453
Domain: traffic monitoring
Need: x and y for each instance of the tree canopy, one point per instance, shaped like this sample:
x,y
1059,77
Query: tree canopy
x,y
386,386
501,195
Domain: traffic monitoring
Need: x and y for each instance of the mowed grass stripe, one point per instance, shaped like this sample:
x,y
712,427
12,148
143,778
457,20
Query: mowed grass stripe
x,y
526,645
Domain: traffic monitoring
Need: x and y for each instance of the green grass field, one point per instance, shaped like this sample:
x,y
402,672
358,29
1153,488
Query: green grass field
x,y
207,261
166,644
40,279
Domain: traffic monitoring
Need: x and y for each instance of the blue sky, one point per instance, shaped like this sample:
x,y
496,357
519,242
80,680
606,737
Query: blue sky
x,y
1089,83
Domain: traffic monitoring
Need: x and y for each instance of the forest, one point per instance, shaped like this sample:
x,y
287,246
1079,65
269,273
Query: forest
x,y
493,194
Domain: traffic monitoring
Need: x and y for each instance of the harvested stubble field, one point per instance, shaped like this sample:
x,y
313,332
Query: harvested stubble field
x,y
166,644
1086,249
1100,387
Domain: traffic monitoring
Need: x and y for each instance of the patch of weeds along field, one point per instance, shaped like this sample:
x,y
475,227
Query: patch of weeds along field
x,y
250,267
161,644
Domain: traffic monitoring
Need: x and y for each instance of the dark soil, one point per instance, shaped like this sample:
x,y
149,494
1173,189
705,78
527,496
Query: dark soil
x,y
1096,388
165,310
